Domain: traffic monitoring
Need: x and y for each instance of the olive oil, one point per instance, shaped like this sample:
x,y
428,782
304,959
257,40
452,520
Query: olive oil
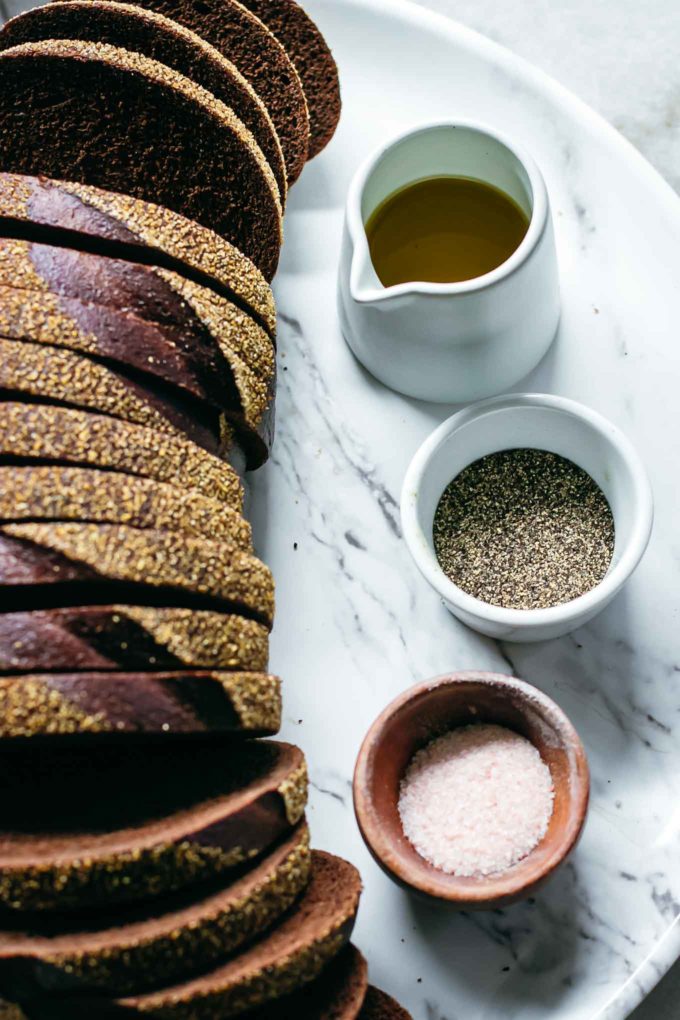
x,y
443,230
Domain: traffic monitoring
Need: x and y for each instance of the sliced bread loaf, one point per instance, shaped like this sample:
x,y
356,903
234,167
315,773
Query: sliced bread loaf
x,y
307,48
44,565
121,637
105,223
85,706
165,940
90,826
102,115
58,435
54,493
146,32
290,955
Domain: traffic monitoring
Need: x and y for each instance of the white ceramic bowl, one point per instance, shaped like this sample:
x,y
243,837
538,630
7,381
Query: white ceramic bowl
x,y
538,421
450,342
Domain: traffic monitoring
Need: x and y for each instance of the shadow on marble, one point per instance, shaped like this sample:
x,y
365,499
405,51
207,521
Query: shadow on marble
x,y
539,940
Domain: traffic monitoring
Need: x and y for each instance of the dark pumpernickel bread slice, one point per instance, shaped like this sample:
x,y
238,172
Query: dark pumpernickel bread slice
x,y
245,41
154,36
164,941
53,493
31,433
86,827
290,955
43,565
39,372
118,226
337,994
105,116
307,48
380,1006
86,706
135,638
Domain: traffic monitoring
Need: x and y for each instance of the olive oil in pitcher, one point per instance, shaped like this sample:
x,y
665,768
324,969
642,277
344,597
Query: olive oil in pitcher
x,y
443,230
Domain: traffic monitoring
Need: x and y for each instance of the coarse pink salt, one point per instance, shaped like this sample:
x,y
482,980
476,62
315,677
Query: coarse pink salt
x,y
476,800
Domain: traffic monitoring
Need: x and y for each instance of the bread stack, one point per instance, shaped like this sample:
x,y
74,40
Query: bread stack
x,y
154,854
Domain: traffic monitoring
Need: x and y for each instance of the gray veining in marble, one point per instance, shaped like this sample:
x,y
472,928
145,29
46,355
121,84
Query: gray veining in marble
x,y
620,56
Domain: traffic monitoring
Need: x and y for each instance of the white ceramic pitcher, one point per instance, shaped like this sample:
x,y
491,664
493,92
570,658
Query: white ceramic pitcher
x,y
459,341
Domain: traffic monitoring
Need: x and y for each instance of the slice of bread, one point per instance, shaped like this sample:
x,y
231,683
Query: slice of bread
x,y
98,825
337,994
45,433
43,565
166,940
102,115
154,36
89,706
290,955
40,372
84,495
248,44
121,637
105,223
380,1006
307,48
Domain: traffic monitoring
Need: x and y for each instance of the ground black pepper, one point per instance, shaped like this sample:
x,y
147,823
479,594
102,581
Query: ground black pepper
x,y
524,529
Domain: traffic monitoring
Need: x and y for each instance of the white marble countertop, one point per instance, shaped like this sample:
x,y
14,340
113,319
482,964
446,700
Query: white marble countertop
x,y
621,57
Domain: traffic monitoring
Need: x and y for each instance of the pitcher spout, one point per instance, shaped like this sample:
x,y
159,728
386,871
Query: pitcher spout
x,y
364,283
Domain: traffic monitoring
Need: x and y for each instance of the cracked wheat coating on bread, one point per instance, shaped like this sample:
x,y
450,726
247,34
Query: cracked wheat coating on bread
x,y
131,124
83,827
49,434
91,562
152,293
84,707
83,495
36,372
122,339
147,319
290,955
128,637
337,994
380,1006
167,939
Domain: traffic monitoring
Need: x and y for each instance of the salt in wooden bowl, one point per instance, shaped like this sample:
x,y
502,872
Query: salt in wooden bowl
x,y
428,711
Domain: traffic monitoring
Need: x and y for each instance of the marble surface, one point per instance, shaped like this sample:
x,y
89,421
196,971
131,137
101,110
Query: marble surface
x,y
357,623
620,56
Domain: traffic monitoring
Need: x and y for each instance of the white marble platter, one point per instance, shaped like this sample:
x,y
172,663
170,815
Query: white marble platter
x,y
356,623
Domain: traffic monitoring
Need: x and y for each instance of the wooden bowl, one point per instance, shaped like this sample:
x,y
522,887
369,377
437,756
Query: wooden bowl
x,y
431,709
